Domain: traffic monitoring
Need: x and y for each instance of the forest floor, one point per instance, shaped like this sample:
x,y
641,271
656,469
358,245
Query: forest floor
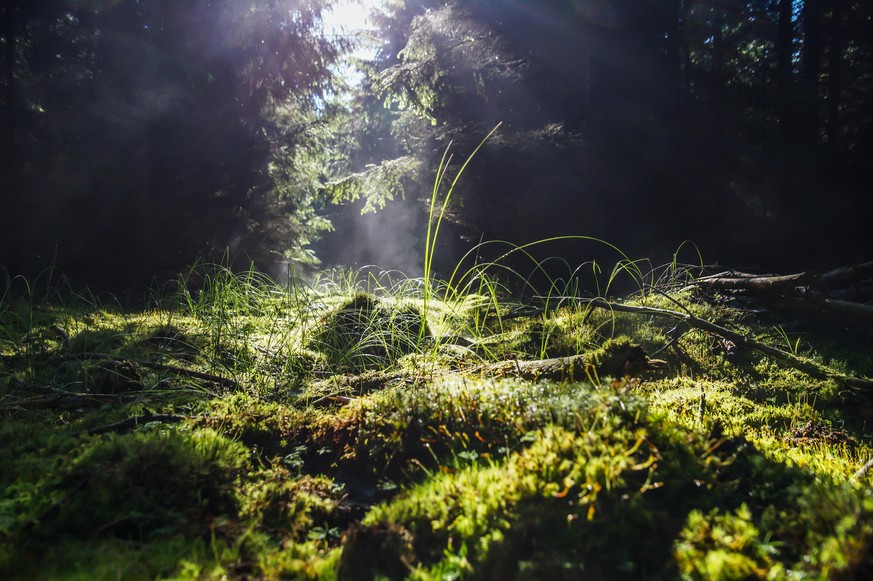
x,y
235,428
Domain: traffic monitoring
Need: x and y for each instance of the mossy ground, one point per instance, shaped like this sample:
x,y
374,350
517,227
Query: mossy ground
x,y
286,432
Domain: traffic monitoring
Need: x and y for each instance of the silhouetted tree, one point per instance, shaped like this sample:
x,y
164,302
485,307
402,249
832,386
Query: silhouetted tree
x,y
152,132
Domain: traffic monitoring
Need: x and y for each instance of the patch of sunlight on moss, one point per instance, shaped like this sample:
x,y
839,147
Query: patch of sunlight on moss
x,y
821,458
687,402
836,525
255,554
572,333
562,472
278,499
266,426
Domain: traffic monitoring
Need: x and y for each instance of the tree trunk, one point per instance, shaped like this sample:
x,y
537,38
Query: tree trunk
x,y
8,150
718,49
10,39
674,26
687,65
784,68
835,64
811,14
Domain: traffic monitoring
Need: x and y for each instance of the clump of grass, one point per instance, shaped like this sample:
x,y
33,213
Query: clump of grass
x,y
363,333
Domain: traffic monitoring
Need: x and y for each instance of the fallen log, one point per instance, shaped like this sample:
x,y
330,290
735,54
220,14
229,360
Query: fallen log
x,y
616,359
832,279
766,284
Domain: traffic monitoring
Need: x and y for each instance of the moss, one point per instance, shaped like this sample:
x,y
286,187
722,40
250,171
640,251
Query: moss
x,y
135,485
288,504
732,466
268,428
549,501
725,547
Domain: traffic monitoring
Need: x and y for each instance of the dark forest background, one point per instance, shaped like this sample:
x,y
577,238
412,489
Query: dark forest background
x,y
139,135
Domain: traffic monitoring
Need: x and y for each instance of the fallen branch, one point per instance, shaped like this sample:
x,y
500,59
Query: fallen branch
x,y
135,421
844,293
862,472
225,381
615,359
810,368
836,278
49,397
327,400
767,284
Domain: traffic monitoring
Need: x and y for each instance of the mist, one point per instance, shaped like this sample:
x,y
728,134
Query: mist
x,y
389,239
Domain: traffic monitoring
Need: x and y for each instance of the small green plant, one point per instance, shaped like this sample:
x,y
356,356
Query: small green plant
x,y
435,218
792,347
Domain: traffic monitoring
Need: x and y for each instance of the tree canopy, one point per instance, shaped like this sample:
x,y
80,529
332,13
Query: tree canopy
x,y
731,124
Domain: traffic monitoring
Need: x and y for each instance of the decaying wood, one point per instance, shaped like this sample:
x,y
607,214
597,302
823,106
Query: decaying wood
x,y
862,472
843,294
615,360
836,278
768,283
847,275
224,381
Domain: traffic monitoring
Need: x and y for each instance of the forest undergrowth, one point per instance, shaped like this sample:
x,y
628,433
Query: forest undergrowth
x,y
359,426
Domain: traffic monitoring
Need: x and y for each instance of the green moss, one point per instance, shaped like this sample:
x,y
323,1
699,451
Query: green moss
x,y
294,505
725,547
731,466
135,485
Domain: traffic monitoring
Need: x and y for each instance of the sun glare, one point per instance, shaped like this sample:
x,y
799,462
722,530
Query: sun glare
x,y
349,17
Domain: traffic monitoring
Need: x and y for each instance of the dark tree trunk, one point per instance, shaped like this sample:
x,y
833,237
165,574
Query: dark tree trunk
x,y
716,85
835,64
784,68
718,50
8,150
10,39
811,15
675,34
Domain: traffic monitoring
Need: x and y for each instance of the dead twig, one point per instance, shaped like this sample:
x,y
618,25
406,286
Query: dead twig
x,y
191,373
616,360
331,399
135,421
862,472
66,400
